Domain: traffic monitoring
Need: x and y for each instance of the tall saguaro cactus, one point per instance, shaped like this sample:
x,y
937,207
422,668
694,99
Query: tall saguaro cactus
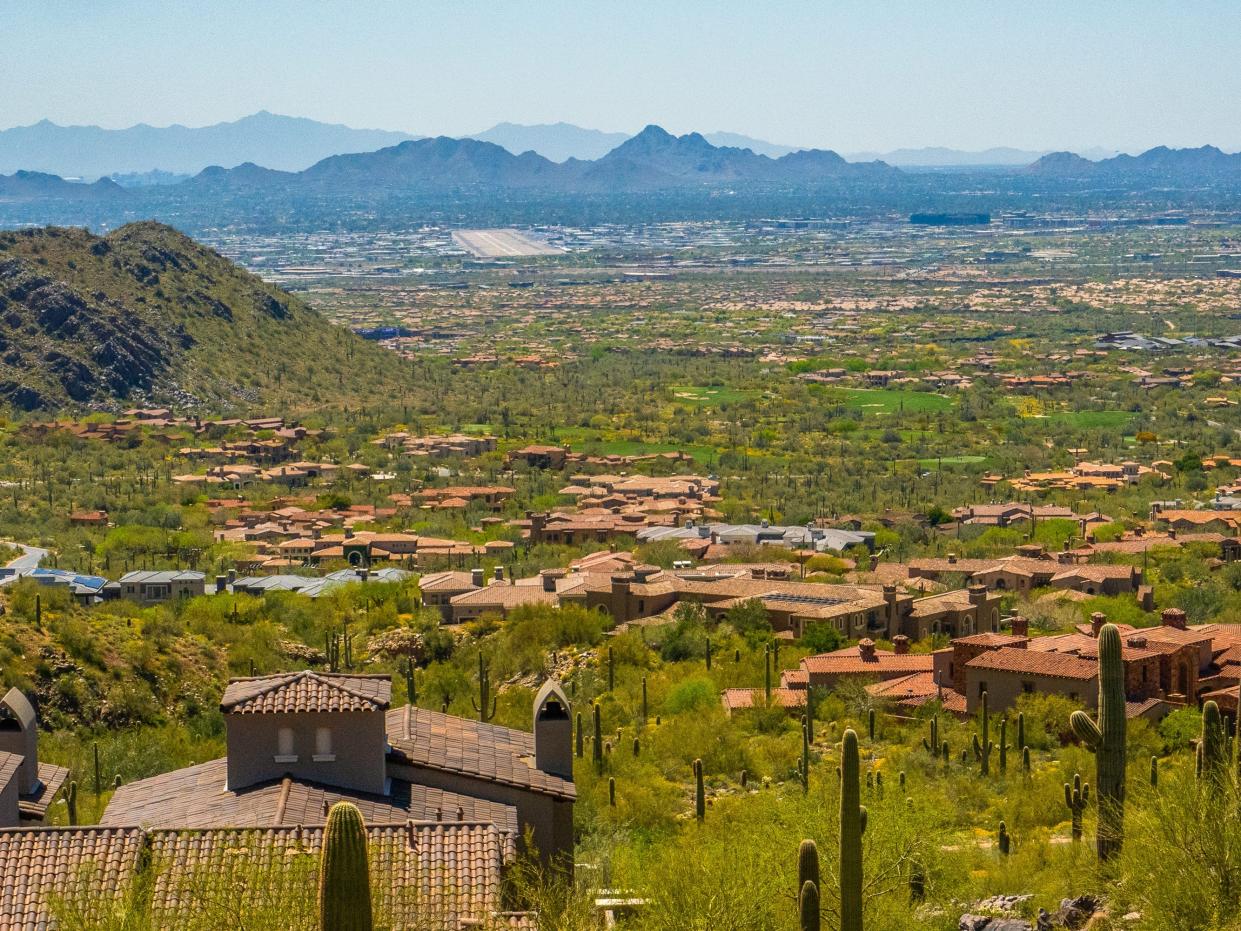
x,y
344,874
1106,739
983,744
1076,797
1211,750
485,698
852,826
597,747
700,792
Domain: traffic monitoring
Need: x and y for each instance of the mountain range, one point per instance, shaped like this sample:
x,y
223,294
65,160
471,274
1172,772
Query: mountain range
x,y
940,157
1205,164
146,315
560,142
282,142
652,160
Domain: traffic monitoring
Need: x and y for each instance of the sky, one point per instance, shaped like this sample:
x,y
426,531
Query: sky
x,y
853,76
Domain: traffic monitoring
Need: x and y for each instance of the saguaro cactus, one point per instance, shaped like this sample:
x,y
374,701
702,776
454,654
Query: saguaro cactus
x,y
1021,730
597,747
611,671
485,698
807,864
1003,746
767,673
71,802
1025,760
808,907
852,826
700,793
805,756
1004,840
344,874
1076,797
983,744
1106,739
931,742
644,701
1211,745
870,724
1154,772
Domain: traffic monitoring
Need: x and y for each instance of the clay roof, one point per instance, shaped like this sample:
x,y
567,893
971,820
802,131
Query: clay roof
x,y
988,639
737,699
446,581
51,781
505,596
10,763
852,662
430,740
40,865
196,797
1033,662
306,691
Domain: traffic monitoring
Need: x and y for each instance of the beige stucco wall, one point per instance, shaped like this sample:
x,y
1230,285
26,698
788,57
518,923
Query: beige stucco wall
x,y
359,744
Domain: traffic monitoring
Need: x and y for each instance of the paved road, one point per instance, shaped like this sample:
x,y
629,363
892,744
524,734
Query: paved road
x,y
30,558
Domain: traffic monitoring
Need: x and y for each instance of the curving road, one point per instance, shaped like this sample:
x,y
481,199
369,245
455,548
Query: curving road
x,y
30,558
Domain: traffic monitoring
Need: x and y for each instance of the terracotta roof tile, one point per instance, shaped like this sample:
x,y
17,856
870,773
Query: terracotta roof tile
x,y
306,691
1034,662
40,865
432,875
431,740
195,797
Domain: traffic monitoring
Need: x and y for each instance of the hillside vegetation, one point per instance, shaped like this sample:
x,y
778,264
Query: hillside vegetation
x,y
146,315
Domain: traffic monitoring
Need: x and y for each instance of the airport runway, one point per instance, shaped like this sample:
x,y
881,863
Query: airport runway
x,y
494,244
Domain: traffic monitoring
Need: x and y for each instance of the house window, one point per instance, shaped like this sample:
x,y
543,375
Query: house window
x,y
284,746
323,745
1027,687
982,689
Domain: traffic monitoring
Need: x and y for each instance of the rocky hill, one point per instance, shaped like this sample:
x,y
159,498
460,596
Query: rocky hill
x,y
147,315
1203,165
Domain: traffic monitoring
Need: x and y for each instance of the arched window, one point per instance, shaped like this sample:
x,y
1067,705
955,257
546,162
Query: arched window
x,y
285,750
323,745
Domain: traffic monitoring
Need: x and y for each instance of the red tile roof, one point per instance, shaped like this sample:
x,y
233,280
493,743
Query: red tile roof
x,y
306,691
1034,662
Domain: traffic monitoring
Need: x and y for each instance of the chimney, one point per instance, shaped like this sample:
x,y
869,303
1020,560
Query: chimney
x,y
476,578
499,573
952,559
1173,617
364,575
553,731
1021,626
1171,533
19,735
221,584
900,644
978,594
1097,620
232,576
866,649
550,577
874,562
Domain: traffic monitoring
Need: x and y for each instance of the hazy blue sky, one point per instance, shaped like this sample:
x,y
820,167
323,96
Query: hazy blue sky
x,y
846,75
